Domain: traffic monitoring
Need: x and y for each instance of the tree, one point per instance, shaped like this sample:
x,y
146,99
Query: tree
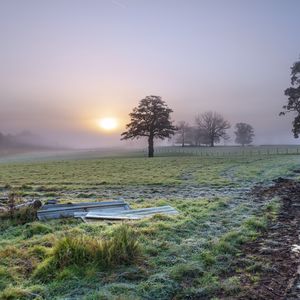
x,y
201,136
293,94
183,130
151,119
212,127
244,134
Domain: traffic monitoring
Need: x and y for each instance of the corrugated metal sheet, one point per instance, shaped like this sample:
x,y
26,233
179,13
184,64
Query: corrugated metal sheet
x,y
132,214
55,211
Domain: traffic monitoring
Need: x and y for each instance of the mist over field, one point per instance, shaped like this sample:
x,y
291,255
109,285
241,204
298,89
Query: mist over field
x,y
149,149
66,64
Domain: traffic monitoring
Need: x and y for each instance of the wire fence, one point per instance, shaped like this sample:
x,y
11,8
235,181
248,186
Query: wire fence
x,y
226,151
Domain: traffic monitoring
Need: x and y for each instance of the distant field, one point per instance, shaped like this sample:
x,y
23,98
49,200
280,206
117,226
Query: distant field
x,y
186,256
46,155
226,151
92,172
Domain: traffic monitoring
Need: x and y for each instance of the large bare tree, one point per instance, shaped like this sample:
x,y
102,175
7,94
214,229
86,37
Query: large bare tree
x,y
151,119
213,127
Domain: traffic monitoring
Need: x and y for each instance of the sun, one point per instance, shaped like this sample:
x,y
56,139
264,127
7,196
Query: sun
x,y
108,123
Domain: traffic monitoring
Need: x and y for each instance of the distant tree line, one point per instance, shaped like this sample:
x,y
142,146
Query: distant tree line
x,y
209,129
151,119
20,140
7,140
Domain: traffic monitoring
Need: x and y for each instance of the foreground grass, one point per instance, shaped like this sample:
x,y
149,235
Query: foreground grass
x,y
187,256
81,251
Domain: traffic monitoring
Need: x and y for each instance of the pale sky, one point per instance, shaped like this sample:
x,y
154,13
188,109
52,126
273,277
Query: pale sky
x,y
65,64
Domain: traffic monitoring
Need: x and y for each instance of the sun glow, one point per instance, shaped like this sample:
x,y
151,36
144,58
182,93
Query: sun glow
x,y
108,123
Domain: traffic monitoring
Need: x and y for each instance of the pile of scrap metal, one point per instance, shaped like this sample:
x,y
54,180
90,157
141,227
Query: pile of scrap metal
x,y
91,211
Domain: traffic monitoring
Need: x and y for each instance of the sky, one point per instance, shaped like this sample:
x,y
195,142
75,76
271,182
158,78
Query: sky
x,y
65,64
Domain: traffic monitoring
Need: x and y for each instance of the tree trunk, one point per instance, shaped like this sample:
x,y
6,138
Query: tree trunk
x,y
150,146
212,142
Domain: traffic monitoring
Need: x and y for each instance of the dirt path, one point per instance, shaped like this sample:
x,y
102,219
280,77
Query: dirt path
x,y
277,252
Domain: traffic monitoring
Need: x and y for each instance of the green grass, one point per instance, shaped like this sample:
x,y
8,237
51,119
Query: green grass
x,y
85,252
90,177
187,256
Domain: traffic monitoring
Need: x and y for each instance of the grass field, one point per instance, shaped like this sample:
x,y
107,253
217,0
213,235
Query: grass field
x,y
188,256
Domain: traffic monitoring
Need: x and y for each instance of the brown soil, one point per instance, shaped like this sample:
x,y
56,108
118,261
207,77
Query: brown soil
x,y
273,251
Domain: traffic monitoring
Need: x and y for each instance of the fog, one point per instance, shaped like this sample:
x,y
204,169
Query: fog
x,y
66,64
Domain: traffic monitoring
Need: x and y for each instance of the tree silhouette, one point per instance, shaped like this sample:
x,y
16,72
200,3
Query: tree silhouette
x,y
293,94
213,127
183,130
151,119
244,134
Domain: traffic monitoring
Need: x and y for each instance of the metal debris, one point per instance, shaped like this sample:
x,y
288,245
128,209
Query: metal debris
x,y
131,214
111,210
56,211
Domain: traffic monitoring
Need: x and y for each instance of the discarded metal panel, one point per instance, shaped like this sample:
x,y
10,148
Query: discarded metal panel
x,y
55,211
81,214
131,214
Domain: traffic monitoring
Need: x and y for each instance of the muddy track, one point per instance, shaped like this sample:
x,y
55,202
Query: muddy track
x,y
276,250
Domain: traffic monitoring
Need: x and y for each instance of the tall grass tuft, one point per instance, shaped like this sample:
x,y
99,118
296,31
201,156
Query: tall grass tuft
x,y
122,248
